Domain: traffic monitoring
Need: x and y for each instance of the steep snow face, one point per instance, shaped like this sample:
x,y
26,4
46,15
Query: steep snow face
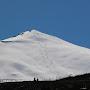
x,y
35,54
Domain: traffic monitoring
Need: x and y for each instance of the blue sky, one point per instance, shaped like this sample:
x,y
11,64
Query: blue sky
x,y
67,19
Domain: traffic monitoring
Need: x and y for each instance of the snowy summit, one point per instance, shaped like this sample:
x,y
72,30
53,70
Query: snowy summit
x,y
35,54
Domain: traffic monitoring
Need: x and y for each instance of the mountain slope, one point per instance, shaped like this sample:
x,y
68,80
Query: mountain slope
x,y
35,54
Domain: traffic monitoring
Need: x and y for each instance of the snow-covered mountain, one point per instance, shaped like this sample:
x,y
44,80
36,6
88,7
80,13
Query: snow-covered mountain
x,y
35,54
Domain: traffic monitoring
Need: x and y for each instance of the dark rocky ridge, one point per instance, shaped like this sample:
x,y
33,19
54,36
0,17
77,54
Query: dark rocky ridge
x,y
80,82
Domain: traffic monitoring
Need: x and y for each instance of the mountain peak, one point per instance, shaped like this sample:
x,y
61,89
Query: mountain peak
x,y
35,35
33,31
26,35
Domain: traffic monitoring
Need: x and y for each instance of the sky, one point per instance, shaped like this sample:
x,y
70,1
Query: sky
x,y
66,19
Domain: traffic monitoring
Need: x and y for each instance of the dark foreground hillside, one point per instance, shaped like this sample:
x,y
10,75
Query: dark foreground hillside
x,y
81,82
